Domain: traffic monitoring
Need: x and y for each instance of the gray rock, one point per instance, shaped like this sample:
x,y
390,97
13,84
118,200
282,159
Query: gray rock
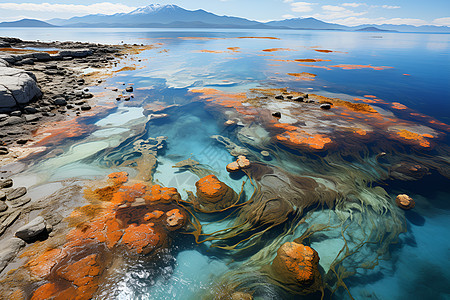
x,y
6,183
16,193
17,87
27,61
85,107
8,58
16,113
30,110
280,97
14,120
276,114
32,229
60,102
19,202
9,250
325,106
42,56
3,206
3,117
129,89
31,118
75,53
2,196
3,63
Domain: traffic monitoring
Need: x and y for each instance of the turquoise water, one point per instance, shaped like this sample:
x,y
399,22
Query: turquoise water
x,y
414,266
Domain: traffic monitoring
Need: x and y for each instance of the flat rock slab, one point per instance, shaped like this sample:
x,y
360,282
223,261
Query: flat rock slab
x,y
32,229
17,87
16,193
9,250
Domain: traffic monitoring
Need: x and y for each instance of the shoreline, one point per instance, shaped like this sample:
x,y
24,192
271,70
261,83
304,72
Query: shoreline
x,y
61,87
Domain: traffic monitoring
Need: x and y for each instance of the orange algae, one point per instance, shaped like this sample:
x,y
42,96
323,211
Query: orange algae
x,y
277,49
19,50
370,96
209,51
397,105
355,67
323,51
303,76
297,136
317,67
360,107
234,49
412,136
115,224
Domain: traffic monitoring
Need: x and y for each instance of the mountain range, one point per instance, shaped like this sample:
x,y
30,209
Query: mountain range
x,y
173,16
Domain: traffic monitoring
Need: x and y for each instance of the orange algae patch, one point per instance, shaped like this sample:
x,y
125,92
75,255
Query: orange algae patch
x,y
209,51
141,239
397,105
42,265
412,136
45,292
209,185
370,96
406,74
73,271
226,99
355,67
297,136
19,50
323,51
361,132
277,49
359,107
303,76
58,131
127,68
317,67
234,49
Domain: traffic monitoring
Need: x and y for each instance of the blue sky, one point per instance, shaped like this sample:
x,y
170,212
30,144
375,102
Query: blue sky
x,y
412,12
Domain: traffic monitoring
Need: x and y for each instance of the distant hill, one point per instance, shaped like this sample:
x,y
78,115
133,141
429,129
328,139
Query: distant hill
x,y
157,14
173,16
306,23
371,28
26,23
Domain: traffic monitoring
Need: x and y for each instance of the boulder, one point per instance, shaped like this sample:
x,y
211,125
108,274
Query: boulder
x,y
404,201
296,265
241,163
6,183
42,56
3,206
31,230
276,114
3,63
16,193
8,250
129,89
325,106
14,120
2,196
212,194
75,53
17,87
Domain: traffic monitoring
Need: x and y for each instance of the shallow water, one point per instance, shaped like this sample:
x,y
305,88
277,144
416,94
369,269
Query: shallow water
x,y
410,69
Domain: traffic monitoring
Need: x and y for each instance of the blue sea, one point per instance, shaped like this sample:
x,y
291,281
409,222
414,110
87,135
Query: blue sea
x,y
368,247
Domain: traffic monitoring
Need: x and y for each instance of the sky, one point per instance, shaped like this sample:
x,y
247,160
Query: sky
x,y
410,12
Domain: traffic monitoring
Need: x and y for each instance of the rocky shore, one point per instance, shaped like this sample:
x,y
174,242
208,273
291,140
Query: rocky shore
x,y
41,82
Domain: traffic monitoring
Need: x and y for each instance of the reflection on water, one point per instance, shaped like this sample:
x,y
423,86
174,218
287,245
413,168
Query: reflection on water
x,y
324,178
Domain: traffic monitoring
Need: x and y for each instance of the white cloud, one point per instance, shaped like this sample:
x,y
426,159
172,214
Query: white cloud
x,y
288,1
333,8
390,6
302,6
353,21
96,8
353,4
442,21
288,16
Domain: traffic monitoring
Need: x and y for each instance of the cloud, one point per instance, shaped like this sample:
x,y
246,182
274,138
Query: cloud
x,y
288,1
353,4
302,6
96,8
390,6
288,16
353,21
442,21
333,8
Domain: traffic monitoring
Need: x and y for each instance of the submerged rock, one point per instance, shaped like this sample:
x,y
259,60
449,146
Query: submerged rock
x,y
296,265
212,194
404,201
31,230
